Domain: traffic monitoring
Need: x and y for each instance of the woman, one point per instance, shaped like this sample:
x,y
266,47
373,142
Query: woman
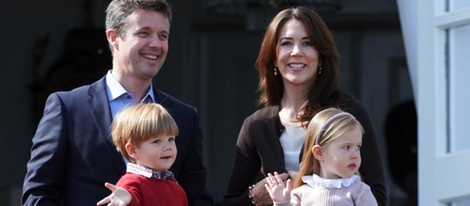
x,y
298,67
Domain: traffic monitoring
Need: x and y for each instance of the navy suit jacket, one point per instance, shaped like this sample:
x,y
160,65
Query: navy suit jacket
x,y
73,155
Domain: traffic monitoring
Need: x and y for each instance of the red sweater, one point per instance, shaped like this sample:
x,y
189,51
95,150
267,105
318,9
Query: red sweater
x,y
152,192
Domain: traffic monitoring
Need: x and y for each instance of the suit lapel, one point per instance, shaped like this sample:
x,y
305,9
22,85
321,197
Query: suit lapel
x,y
102,117
162,99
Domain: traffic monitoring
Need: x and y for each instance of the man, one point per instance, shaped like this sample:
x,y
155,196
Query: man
x,y
72,154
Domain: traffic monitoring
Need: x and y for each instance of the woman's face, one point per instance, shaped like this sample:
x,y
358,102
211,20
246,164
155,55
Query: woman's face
x,y
296,58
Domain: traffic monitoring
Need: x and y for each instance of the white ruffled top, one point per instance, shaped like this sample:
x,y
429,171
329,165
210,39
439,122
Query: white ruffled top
x,y
317,181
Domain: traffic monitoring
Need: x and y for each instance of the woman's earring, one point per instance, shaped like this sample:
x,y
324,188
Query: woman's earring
x,y
275,71
320,70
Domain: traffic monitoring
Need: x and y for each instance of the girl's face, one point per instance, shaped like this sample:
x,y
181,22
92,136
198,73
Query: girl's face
x,y
341,157
296,58
158,153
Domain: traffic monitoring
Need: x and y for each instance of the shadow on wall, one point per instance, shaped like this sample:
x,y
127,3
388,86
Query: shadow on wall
x,y
85,59
401,136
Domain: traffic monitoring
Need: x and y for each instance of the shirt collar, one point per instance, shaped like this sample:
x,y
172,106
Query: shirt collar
x,y
116,89
317,181
149,173
150,94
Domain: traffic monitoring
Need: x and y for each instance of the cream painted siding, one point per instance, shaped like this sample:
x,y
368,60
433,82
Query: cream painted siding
x,y
437,42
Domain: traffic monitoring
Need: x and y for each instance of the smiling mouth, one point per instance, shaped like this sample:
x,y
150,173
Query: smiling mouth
x,y
149,56
296,65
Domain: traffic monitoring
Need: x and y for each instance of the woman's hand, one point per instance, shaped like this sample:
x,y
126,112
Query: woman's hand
x,y
118,197
293,174
261,194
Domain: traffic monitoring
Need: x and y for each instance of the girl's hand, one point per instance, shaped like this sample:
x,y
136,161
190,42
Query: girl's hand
x,y
118,197
261,194
277,189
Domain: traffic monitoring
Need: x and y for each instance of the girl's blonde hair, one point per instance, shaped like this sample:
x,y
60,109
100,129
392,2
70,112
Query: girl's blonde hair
x,y
138,123
324,128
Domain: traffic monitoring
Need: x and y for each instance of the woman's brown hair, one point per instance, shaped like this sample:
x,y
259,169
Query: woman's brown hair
x,y
325,85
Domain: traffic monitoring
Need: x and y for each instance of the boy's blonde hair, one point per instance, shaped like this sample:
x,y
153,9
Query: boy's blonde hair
x,y
138,123
326,125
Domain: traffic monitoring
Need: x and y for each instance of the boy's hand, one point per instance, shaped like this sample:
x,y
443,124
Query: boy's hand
x,y
118,197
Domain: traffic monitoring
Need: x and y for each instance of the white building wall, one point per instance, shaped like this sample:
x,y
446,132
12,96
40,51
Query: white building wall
x,y
436,35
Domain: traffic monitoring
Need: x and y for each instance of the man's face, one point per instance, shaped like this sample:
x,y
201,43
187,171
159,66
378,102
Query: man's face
x,y
141,50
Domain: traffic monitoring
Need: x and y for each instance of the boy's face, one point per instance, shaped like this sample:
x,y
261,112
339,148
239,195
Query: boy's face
x,y
158,153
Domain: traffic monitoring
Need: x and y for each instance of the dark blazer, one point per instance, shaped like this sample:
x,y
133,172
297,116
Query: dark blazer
x,y
259,152
73,155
